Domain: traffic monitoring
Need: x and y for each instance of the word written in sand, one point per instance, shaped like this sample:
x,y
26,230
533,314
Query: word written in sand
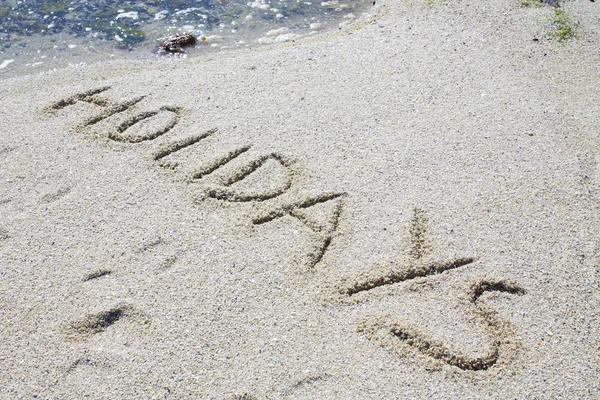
x,y
284,197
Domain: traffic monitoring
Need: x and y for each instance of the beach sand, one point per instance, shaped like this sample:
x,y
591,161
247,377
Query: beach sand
x,y
405,208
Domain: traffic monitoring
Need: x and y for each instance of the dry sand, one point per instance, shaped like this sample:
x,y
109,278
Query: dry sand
x,y
406,208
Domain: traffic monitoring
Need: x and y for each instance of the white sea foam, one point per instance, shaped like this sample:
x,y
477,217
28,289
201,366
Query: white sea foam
x,y
5,63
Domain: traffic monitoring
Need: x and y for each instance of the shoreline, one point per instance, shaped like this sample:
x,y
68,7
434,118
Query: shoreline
x,y
64,51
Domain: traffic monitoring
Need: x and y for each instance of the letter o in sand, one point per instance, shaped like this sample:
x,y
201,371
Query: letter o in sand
x,y
146,125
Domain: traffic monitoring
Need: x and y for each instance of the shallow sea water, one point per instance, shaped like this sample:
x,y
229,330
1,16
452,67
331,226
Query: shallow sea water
x,y
37,35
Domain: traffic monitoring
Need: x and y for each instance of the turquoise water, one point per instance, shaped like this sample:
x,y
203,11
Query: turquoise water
x,y
36,35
